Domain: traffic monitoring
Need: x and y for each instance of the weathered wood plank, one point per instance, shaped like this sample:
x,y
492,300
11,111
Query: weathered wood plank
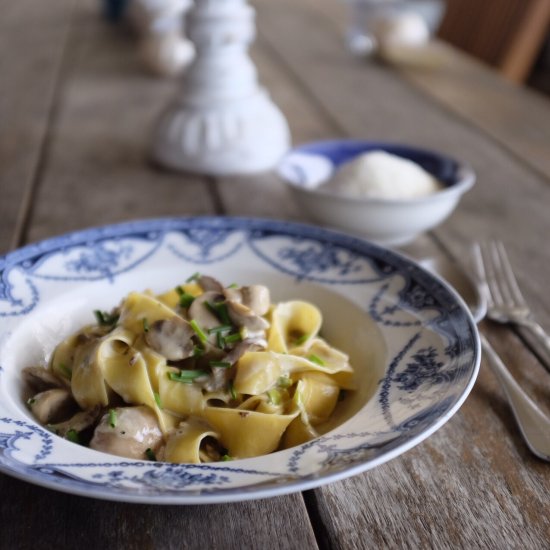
x,y
31,59
49,520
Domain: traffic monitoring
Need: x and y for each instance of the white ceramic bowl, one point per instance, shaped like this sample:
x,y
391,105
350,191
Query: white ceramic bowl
x,y
413,344
384,221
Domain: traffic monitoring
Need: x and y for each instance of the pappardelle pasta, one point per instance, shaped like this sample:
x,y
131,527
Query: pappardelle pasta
x,y
201,373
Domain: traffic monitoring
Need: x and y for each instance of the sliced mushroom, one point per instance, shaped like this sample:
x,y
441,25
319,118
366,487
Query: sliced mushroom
x,y
218,380
209,284
172,338
243,316
254,297
41,379
127,431
249,344
52,405
203,316
79,422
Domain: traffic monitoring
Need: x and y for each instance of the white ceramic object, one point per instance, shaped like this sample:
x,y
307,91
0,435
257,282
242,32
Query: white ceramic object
x,y
412,342
389,222
222,122
163,47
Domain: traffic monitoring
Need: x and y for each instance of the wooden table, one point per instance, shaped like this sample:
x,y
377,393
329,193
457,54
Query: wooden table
x,y
75,114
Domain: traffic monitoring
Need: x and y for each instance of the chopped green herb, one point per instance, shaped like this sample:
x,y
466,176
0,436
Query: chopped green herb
x,y
193,277
316,359
225,458
299,341
198,351
185,376
145,325
106,319
112,418
222,364
198,331
31,401
65,371
220,340
157,400
274,396
72,435
221,328
232,390
180,290
186,299
150,454
284,381
220,311
233,285
232,338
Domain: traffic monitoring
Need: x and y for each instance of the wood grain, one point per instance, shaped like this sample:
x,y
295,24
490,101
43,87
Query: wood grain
x,y
27,95
86,118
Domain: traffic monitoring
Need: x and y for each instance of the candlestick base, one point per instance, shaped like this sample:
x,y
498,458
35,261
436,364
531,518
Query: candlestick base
x,y
237,137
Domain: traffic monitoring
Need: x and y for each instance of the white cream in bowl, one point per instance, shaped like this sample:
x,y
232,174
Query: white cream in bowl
x,y
377,174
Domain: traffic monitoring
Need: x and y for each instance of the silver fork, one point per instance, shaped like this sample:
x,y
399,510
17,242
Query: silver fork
x,y
505,302
533,423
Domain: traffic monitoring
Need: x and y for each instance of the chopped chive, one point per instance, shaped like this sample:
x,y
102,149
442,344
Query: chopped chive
x,y
198,331
198,351
299,341
221,364
31,401
150,454
66,371
193,277
284,381
231,338
220,340
232,390
180,290
233,285
106,319
274,397
112,418
186,299
316,359
225,458
72,435
157,400
185,376
220,311
145,325
220,328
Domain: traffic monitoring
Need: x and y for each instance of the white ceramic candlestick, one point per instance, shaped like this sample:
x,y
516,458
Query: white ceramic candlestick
x,y
223,122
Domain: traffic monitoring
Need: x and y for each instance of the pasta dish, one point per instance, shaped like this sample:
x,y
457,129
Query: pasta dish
x,y
201,373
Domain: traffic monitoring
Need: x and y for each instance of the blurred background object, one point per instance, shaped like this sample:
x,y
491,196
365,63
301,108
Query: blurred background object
x,y
378,26
160,25
507,34
222,121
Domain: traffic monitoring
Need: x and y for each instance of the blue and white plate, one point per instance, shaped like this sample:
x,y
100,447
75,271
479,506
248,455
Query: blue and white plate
x,y
412,342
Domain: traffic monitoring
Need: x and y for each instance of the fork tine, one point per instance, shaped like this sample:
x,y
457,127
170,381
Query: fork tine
x,y
497,284
508,273
488,261
481,274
